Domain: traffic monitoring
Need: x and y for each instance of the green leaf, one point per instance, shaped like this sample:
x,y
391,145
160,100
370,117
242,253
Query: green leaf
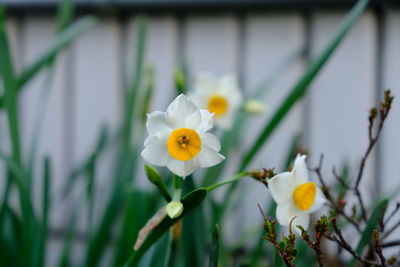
x,y
230,138
7,75
190,202
137,208
65,12
372,224
132,92
63,39
300,88
303,84
18,176
10,87
214,247
45,212
68,242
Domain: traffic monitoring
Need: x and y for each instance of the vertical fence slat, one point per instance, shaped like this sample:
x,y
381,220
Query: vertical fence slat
x,y
38,32
97,101
270,39
390,145
162,54
341,97
211,44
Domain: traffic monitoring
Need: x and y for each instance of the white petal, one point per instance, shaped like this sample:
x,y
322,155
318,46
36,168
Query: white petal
x,y
228,86
193,120
302,219
207,157
206,121
205,83
282,187
179,167
300,169
210,141
319,201
226,120
179,110
155,151
156,122
286,212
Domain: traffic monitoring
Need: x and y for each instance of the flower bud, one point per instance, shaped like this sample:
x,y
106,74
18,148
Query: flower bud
x,y
254,107
174,209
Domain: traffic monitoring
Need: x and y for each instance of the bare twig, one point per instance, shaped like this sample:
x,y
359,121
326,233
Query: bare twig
x,y
378,248
383,112
391,244
342,243
388,232
337,207
340,180
392,214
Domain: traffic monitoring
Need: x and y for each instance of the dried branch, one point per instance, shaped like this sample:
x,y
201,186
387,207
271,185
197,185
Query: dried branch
x,y
337,207
388,232
392,214
320,228
339,239
341,180
271,236
378,248
383,113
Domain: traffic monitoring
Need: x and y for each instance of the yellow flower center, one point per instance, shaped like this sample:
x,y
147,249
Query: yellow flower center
x,y
217,104
304,195
184,144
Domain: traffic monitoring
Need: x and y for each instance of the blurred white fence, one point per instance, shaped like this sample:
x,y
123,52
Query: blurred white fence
x,y
332,118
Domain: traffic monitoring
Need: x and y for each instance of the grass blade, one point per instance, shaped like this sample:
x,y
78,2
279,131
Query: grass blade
x,y
303,84
139,206
230,139
133,90
65,12
300,88
10,87
214,247
62,40
41,237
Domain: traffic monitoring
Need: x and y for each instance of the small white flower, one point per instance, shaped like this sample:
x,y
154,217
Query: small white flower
x,y
178,138
219,96
295,195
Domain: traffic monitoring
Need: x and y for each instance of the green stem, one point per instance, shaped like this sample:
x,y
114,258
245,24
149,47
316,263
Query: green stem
x,y
177,189
232,179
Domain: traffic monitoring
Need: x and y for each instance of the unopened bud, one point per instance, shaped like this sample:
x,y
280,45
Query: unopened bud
x,y
174,209
255,107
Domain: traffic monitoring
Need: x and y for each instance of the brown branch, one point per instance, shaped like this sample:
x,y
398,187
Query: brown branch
x,y
378,248
383,112
388,232
341,180
338,208
391,244
339,239
392,214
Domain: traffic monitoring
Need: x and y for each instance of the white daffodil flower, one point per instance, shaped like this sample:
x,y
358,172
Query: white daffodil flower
x,y
219,96
295,195
178,138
